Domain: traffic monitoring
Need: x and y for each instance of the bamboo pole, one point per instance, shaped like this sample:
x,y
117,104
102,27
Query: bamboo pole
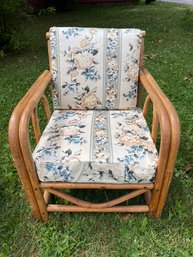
x,y
155,124
165,130
36,126
46,197
86,204
146,106
66,208
69,185
175,141
46,107
147,195
13,134
25,145
49,55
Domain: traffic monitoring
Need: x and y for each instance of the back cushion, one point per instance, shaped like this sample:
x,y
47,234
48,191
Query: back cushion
x,y
94,68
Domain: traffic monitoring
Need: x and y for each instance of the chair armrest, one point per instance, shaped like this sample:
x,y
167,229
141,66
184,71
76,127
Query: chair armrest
x,y
151,85
23,135
14,144
174,119
13,129
20,120
149,82
161,109
159,106
28,112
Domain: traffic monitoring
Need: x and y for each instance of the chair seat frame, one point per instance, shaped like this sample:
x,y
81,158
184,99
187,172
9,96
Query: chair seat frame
x,y
38,193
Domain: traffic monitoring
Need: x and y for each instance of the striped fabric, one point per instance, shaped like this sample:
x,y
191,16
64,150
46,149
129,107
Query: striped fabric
x,y
95,68
96,146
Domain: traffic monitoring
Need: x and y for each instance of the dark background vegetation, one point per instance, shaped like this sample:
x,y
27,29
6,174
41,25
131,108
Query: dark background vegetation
x,y
14,12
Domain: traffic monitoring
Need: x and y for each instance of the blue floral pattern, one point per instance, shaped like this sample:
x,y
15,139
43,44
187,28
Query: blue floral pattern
x,y
94,68
112,69
100,136
96,146
71,32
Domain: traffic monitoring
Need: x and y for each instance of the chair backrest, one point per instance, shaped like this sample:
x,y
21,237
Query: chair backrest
x,y
94,68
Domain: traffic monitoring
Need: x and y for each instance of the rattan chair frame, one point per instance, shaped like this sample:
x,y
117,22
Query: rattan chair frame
x,y
38,193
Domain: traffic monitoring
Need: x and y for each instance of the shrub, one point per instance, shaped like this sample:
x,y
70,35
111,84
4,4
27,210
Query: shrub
x,y
11,13
63,5
149,1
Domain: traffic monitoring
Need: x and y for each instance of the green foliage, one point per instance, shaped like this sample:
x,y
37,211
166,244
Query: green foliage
x,y
63,5
187,19
2,53
11,13
149,1
48,10
168,45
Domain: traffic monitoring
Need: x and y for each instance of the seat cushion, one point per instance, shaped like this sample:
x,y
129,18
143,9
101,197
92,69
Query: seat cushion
x,y
94,68
96,146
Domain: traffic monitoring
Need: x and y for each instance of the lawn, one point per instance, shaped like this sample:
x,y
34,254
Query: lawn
x,y
168,45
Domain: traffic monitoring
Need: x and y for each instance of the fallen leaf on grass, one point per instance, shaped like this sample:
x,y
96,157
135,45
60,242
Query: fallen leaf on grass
x,y
188,77
165,29
149,56
189,168
158,40
126,217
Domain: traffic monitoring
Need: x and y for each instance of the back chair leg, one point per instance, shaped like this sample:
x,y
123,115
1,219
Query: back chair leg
x,y
41,203
32,201
36,201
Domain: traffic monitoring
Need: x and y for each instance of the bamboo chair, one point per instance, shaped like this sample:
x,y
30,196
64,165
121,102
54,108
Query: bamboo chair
x,y
81,48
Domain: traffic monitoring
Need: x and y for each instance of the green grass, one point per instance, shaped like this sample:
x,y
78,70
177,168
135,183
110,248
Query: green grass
x,y
169,37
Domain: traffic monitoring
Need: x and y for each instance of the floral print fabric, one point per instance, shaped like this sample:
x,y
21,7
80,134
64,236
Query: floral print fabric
x,y
94,68
96,146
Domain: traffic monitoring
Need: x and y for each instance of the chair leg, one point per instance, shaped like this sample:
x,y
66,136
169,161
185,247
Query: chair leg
x,y
33,204
156,207
34,195
147,196
153,202
148,200
41,203
36,199
162,199
29,190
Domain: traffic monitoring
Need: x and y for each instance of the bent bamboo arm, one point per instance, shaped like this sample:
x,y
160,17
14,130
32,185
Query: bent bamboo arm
x,y
25,144
174,143
14,144
172,137
165,133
